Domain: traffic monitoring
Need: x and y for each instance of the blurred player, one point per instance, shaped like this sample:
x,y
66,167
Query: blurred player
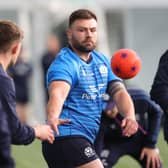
x,y
12,131
111,145
77,81
159,90
53,47
21,73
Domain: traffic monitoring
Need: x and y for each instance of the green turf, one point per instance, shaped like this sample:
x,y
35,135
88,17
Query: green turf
x,y
31,157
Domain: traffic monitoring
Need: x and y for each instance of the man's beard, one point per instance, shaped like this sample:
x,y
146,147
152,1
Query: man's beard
x,y
83,47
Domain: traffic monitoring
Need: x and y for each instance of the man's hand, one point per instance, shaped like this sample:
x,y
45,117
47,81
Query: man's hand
x,y
54,122
44,132
152,157
129,126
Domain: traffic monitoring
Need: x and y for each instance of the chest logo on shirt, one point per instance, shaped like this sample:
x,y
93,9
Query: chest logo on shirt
x,y
103,69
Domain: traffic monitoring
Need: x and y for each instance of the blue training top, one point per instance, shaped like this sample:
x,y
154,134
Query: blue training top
x,y
88,82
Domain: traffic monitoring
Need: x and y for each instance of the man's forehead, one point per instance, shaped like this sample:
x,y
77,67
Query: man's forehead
x,y
85,23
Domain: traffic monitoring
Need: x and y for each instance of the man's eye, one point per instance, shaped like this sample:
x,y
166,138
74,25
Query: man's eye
x,y
93,30
81,30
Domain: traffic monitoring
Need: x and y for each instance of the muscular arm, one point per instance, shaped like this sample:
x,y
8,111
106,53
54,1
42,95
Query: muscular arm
x,y
124,103
122,99
58,91
125,106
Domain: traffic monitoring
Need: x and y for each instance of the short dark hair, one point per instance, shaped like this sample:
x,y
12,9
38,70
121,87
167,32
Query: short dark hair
x,y
81,14
9,33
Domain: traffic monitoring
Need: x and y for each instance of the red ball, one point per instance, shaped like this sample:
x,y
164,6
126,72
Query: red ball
x,y
125,63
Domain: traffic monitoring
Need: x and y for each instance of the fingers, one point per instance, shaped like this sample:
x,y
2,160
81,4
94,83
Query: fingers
x,y
111,113
50,136
148,162
152,157
157,160
61,121
51,139
44,132
54,122
142,155
129,126
66,121
153,162
54,128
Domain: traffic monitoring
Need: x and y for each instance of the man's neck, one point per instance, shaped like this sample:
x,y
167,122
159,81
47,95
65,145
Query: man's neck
x,y
3,62
85,56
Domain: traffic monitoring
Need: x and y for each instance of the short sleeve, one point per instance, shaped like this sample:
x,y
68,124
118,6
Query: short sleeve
x,y
61,70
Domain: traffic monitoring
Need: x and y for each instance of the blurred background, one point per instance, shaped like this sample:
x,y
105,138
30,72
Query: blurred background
x,y
140,25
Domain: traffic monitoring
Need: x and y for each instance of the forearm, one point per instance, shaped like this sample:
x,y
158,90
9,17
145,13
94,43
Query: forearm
x,y
58,92
124,104
22,134
125,107
153,128
54,106
153,133
122,99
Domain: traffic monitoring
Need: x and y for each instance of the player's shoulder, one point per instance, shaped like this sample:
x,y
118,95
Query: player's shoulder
x,y
100,55
5,84
142,96
66,56
100,58
3,75
64,63
138,93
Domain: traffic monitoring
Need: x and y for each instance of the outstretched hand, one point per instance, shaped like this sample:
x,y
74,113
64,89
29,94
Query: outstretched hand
x,y
129,126
54,122
44,132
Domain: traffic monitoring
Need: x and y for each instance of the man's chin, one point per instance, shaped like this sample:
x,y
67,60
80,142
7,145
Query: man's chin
x,y
87,49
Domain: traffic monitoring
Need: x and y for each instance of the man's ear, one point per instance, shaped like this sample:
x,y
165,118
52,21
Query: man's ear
x,y
69,34
14,48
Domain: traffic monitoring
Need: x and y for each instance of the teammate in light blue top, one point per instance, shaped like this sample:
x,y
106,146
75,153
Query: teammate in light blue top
x,y
77,80
87,90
